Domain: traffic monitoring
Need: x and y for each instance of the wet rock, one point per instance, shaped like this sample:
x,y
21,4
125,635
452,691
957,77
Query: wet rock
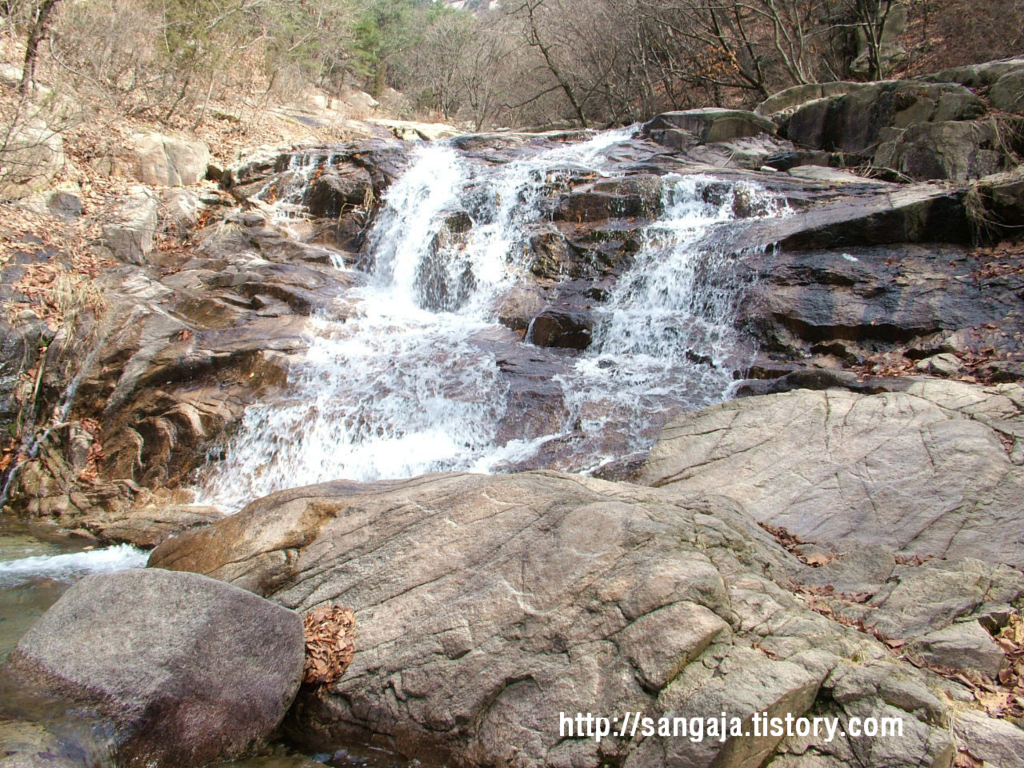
x,y
169,160
532,592
870,215
535,397
611,199
599,251
445,278
338,190
252,166
552,258
918,301
187,669
750,152
520,305
272,170
130,235
845,469
566,326
784,161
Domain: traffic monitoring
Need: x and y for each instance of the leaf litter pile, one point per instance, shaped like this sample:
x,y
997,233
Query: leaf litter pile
x,y
330,634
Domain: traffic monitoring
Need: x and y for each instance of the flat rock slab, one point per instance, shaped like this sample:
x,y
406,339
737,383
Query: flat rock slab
x,y
187,669
865,215
921,472
488,605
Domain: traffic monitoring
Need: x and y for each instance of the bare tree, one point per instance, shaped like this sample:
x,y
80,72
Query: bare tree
x,y
37,32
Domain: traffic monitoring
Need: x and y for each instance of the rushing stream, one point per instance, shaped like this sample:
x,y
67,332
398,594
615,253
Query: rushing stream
x,y
401,380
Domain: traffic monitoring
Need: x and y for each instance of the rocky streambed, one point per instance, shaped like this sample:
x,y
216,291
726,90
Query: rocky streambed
x,y
677,419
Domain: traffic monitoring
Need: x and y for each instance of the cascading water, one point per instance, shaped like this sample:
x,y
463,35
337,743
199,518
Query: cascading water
x,y
667,340
399,383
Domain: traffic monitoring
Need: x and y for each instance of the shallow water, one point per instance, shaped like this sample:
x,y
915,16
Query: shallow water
x,y
38,565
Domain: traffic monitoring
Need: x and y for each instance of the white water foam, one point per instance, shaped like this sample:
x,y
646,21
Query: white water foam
x,y
72,566
666,339
396,385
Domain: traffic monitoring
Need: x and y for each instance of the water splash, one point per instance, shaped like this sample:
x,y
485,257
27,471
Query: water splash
x,y
399,382
666,340
71,566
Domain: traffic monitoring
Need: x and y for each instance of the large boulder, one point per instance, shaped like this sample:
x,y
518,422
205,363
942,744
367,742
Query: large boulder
x,y
488,606
1003,199
32,154
787,100
861,215
163,160
407,130
337,190
131,232
977,75
922,472
706,126
186,669
1007,93
640,195
954,150
562,326
854,122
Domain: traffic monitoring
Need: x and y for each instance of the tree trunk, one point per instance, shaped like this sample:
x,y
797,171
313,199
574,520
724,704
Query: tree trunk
x,y
40,26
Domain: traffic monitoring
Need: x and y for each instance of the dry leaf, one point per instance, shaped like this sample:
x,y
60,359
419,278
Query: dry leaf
x,y
817,559
330,644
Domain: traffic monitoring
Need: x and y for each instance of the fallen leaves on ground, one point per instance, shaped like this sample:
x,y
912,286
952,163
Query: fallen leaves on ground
x,y
964,759
792,543
330,644
91,471
913,560
1011,679
1001,259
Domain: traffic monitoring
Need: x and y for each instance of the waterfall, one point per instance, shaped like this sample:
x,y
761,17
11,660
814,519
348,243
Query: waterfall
x,y
399,381
667,340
